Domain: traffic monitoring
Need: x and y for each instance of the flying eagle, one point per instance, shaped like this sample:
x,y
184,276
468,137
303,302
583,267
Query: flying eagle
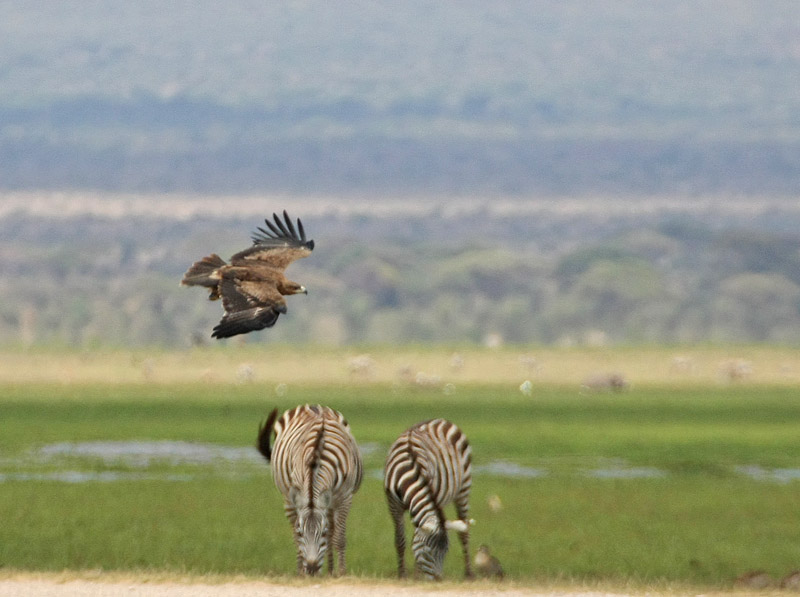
x,y
252,286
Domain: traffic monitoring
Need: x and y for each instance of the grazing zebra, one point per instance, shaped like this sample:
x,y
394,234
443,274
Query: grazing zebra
x,y
428,467
317,467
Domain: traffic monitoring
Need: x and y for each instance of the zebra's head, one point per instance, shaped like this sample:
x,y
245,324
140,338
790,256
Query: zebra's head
x,y
311,530
430,544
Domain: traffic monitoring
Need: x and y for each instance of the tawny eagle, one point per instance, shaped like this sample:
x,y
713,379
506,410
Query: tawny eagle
x,y
253,285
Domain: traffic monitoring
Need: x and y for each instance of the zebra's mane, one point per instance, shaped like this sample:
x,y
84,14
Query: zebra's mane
x,y
313,460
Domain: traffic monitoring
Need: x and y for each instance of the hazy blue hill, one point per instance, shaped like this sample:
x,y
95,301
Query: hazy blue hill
x,y
515,98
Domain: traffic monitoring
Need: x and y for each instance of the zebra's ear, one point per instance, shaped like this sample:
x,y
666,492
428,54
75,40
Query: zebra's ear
x,y
297,498
429,526
325,499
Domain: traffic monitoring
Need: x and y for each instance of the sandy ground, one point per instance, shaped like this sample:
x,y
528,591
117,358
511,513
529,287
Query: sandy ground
x,y
35,587
101,588
22,584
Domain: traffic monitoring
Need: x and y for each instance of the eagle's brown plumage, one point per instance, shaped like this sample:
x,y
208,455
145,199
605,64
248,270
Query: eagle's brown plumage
x,y
253,285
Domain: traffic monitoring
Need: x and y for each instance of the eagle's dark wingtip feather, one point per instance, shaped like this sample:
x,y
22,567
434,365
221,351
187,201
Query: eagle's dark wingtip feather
x,y
257,238
249,320
280,225
272,227
290,226
284,229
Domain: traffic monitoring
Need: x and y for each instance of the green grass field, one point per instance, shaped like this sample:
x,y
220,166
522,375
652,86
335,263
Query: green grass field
x,y
690,483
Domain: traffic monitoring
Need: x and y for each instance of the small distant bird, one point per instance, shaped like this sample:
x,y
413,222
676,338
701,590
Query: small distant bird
x,y
605,382
253,285
486,564
791,581
754,579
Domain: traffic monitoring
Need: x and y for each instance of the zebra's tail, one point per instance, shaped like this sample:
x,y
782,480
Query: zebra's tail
x,y
264,433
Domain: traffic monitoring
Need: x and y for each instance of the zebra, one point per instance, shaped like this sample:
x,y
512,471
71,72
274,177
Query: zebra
x,y
316,465
429,466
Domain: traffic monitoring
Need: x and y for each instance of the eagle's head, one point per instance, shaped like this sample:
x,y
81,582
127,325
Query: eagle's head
x,y
293,288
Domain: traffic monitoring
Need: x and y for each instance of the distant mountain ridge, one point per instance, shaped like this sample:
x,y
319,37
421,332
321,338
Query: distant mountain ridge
x,y
395,99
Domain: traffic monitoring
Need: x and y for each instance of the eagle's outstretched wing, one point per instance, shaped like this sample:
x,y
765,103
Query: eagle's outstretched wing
x,y
249,306
278,245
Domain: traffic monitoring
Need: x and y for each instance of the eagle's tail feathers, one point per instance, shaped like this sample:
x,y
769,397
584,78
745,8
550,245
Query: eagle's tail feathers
x,y
202,273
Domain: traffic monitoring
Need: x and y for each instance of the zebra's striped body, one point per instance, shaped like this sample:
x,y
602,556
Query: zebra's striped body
x,y
317,467
429,466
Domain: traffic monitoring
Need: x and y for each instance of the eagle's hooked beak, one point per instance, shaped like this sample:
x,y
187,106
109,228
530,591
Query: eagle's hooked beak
x,y
303,290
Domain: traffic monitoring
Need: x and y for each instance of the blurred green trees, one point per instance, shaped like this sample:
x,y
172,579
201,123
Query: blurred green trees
x,y
116,284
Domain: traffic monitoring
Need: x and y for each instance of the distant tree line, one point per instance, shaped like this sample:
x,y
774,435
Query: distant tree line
x,y
115,283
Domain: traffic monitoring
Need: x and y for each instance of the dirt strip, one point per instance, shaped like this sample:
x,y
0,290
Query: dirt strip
x,y
92,588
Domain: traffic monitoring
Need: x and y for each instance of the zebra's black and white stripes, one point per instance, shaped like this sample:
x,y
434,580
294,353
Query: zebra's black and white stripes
x,y
429,466
316,465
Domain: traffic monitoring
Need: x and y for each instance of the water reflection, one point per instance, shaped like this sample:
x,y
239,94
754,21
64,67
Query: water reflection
x,y
143,454
503,468
92,476
243,462
776,475
641,472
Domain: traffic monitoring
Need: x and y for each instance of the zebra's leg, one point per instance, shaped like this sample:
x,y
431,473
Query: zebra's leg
x,y
397,511
340,534
332,540
291,514
462,509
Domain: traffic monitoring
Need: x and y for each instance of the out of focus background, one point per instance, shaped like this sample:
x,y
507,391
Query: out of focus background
x,y
571,227
560,173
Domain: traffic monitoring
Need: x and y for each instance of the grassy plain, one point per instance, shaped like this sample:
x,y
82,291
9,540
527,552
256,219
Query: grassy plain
x,y
687,477
273,364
